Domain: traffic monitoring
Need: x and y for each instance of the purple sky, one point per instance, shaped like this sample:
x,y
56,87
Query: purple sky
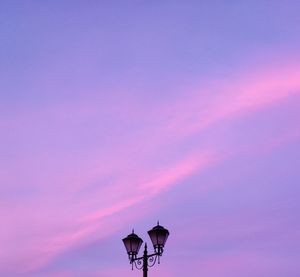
x,y
115,114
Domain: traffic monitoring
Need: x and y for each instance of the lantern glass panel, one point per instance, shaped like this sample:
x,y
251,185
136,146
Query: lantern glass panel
x,y
136,245
127,244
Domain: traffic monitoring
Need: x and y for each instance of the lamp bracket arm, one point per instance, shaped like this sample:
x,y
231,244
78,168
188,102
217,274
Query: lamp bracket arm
x,y
151,255
141,258
137,259
152,260
138,264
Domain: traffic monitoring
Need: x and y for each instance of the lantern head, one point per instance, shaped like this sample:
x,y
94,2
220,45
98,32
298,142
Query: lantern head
x,y
158,236
132,244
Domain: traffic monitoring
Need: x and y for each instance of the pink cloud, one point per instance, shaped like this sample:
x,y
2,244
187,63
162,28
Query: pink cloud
x,y
244,93
73,200
93,222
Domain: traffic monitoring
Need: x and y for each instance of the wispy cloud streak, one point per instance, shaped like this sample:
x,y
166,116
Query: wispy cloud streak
x,y
102,180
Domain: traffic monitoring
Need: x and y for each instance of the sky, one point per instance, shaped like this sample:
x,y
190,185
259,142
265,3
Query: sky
x,y
116,114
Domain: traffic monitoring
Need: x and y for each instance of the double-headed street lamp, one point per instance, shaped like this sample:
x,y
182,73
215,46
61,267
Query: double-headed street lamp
x,y
133,243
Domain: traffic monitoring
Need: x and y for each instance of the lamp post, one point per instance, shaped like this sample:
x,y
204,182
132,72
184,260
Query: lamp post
x,y
133,243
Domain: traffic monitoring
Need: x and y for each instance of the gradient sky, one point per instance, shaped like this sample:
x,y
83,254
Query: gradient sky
x,y
117,113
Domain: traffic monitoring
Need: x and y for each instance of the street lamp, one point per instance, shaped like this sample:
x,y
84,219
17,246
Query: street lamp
x,y
133,243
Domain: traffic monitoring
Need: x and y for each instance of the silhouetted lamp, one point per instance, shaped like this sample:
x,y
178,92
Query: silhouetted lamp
x,y
133,243
158,236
